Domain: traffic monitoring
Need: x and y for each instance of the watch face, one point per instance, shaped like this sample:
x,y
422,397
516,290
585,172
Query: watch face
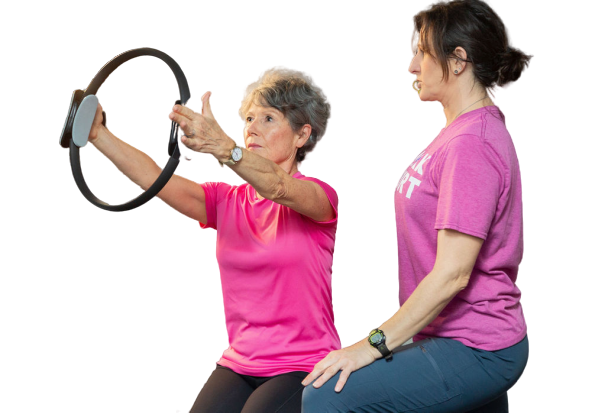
x,y
236,154
375,338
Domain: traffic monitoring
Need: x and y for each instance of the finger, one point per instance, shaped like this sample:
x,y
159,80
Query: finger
x,y
191,143
184,111
177,117
98,116
94,130
328,361
315,373
319,368
331,371
187,141
183,122
342,380
187,129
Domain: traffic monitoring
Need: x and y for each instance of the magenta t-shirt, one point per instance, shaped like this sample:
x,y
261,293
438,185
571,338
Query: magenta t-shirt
x,y
276,270
468,180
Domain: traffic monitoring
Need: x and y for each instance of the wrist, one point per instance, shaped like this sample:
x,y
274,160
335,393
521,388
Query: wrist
x,y
234,156
99,135
225,154
372,351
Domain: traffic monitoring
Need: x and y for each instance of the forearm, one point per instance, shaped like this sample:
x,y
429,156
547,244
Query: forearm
x,y
264,175
422,307
133,163
455,260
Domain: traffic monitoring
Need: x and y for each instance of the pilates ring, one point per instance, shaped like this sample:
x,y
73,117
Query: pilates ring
x,y
415,86
81,114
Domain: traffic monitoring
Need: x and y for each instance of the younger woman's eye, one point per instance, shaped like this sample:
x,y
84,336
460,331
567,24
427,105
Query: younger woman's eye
x,y
248,119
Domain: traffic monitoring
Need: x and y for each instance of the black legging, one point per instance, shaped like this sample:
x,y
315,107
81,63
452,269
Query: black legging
x,y
229,392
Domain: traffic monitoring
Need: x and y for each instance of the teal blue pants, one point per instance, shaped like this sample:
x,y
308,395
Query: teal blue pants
x,y
433,375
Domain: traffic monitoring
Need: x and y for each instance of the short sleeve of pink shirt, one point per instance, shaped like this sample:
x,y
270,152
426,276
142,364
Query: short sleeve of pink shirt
x,y
276,272
468,180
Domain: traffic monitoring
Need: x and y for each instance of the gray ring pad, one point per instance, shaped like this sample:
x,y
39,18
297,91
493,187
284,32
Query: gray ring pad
x,y
84,120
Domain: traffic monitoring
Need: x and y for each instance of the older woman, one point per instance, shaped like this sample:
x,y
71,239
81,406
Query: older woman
x,y
275,238
459,225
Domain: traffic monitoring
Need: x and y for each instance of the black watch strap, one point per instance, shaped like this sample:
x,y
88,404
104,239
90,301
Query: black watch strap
x,y
385,351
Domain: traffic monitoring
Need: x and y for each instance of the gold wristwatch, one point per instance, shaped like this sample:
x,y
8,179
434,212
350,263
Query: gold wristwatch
x,y
234,157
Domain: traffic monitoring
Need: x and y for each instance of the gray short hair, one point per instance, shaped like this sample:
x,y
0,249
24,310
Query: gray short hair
x,y
296,96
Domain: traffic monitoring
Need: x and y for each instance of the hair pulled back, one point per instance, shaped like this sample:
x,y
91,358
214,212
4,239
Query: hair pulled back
x,y
474,26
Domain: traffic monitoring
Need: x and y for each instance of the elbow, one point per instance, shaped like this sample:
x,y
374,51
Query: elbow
x,y
454,281
461,281
277,192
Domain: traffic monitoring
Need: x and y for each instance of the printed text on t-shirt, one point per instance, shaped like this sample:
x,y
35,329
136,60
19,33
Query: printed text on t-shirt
x,y
407,178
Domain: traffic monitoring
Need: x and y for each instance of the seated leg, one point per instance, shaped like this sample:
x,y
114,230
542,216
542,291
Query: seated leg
x,y
498,405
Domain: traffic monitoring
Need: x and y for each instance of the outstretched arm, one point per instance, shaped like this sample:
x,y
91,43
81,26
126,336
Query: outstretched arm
x,y
182,194
269,179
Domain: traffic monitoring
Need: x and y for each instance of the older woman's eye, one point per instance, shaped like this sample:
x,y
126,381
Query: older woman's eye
x,y
269,118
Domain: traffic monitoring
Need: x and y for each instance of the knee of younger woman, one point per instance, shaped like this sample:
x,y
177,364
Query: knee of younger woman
x,y
312,400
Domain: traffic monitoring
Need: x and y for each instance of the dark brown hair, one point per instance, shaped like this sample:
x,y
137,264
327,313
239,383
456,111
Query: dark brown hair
x,y
474,26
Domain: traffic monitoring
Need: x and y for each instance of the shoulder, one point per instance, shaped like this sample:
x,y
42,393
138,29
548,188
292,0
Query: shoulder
x,y
316,200
312,179
482,131
329,190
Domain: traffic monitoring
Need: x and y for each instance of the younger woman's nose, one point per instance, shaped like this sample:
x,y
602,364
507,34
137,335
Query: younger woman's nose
x,y
415,66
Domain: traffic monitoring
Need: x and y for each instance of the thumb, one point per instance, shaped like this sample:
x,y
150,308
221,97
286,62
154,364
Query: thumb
x,y
206,105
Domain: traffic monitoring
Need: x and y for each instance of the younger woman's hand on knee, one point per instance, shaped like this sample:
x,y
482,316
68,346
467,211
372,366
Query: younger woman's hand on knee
x,y
346,360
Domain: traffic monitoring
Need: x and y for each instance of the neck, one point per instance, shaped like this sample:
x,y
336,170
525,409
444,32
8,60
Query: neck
x,y
290,165
462,103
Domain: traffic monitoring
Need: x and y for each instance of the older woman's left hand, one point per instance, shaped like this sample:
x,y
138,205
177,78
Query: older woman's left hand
x,y
346,360
202,132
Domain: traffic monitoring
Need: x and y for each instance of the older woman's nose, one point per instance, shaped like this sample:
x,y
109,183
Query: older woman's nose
x,y
252,127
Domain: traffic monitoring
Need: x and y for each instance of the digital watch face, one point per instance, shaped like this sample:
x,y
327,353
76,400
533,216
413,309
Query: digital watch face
x,y
375,338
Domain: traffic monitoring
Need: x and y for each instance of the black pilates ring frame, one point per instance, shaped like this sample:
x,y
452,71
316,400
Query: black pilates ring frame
x,y
66,140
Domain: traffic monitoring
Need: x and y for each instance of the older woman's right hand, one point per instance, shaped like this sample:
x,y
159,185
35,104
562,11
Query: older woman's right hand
x,y
202,132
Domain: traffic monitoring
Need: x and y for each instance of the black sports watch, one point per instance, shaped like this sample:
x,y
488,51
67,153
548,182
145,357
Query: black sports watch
x,y
376,338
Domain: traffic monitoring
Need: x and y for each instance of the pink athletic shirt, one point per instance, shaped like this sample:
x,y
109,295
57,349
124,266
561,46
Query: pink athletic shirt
x,y
468,180
276,270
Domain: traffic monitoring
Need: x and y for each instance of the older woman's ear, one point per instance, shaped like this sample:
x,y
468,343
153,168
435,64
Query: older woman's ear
x,y
304,135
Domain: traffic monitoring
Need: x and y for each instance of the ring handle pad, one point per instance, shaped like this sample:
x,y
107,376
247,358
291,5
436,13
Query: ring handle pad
x,y
80,118
83,121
